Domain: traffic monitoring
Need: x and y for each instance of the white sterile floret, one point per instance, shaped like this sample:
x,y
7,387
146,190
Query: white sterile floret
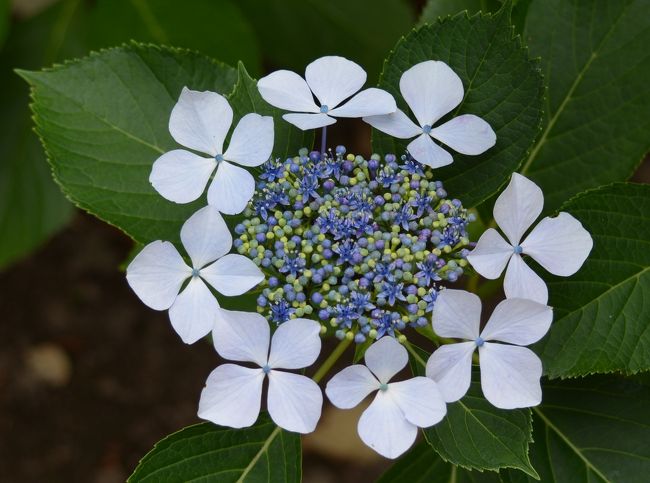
x,y
332,80
560,244
158,272
390,424
431,89
233,393
509,373
200,121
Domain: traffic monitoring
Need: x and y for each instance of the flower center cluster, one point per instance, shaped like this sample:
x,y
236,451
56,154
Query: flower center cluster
x,y
361,244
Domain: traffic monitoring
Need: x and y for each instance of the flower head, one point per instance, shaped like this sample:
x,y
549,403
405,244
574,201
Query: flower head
x,y
509,373
560,244
431,89
233,393
350,238
200,121
158,272
332,80
390,424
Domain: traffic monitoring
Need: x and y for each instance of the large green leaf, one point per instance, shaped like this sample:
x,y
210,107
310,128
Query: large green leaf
x,y
476,435
103,121
419,465
246,98
593,430
209,453
596,63
5,10
502,85
602,312
292,33
422,465
434,9
216,28
32,206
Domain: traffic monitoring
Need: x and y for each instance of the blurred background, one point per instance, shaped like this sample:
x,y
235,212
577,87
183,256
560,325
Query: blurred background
x,y
90,378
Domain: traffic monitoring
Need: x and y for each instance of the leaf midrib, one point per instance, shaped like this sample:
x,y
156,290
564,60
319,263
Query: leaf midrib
x,y
533,154
259,454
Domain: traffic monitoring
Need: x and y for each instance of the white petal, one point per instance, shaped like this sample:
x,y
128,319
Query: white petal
x,y
295,401
521,282
309,121
518,321
510,376
420,400
288,91
384,428
368,102
425,151
385,358
295,344
251,142
200,121
351,386
450,366
431,89
467,134
232,396
156,274
491,254
560,245
233,274
396,124
181,176
457,314
206,236
333,79
194,311
242,336
517,207
231,189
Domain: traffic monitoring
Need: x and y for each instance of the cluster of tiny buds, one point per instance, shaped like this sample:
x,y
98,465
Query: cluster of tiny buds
x,y
361,245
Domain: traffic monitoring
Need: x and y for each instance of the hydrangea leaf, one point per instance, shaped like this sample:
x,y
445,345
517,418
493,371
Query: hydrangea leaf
x,y
502,85
434,9
362,31
103,122
207,452
595,61
602,312
420,465
246,98
476,435
110,22
593,429
32,207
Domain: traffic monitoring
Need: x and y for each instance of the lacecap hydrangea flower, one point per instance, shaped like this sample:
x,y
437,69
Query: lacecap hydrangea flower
x,y
431,89
361,245
359,248
158,272
200,121
332,80
559,244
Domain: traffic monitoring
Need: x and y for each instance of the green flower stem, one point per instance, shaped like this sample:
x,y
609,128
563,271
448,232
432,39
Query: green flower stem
x,y
414,353
331,360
